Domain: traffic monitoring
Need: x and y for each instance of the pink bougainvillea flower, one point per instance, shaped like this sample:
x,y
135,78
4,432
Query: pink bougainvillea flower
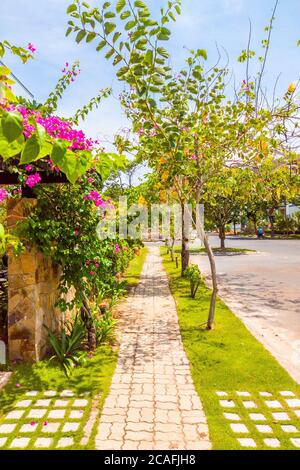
x,y
3,194
45,423
141,131
153,133
90,179
18,385
31,47
92,273
194,157
28,167
117,248
32,180
33,423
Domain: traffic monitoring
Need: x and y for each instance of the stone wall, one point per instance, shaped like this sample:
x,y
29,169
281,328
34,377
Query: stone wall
x,y
32,293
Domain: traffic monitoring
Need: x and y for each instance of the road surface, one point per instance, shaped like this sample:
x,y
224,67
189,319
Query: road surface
x,y
263,289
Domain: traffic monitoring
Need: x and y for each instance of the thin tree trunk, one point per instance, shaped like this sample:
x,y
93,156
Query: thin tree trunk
x,y
89,324
222,236
172,248
185,254
271,219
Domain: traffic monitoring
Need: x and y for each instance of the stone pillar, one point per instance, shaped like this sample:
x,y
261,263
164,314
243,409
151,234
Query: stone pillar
x,y
32,293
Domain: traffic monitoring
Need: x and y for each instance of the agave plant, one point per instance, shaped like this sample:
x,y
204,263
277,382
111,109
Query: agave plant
x,y
67,345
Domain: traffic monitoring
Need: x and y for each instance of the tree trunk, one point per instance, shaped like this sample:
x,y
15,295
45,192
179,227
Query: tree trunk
x,y
172,248
271,219
222,236
89,324
185,254
234,228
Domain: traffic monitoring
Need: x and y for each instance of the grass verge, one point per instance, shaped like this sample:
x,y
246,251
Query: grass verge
x,y
231,360
89,382
217,250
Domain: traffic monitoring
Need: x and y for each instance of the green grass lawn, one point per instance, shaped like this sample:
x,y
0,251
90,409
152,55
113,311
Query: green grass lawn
x,y
230,359
217,250
90,382
132,275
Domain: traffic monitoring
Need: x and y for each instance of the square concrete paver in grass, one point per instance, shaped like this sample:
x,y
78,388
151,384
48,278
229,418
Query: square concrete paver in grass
x,y
227,403
249,404
295,442
264,429
274,443
42,403
243,394
232,416
50,393
265,394
247,442
20,443
61,403
293,403
281,416
23,404
69,427
65,442
273,404
38,413
79,403
7,428
14,415
43,442
239,428
289,428
51,428
76,414
31,393
57,414
257,417
2,441
286,393
26,428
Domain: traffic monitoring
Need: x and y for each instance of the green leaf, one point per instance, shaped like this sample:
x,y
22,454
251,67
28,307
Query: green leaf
x,y
120,5
106,5
125,15
109,14
163,52
80,36
202,53
131,24
101,45
116,37
31,150
140,4
90,36
71,8
109,27
4,70
58,153
12,126
69,30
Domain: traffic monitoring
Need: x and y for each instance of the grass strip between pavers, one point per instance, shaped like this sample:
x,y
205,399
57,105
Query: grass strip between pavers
x,y
230,359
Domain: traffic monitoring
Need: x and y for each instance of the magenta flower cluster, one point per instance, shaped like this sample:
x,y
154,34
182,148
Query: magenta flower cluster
x,y
98,201
71,73
31,47
3,194
34,179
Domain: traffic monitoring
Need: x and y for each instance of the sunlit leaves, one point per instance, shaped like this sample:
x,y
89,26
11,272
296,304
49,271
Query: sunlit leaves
x,y
120,5
12,126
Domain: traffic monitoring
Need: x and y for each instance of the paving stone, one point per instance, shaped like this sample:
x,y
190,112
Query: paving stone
x,y
265,394
239,428
42,403
232,416
264,429
15,414
43,442
20,443
76,414
281,416
28,428
227,403
293,403
61,403
222,394
247,442
272,443
2,441
65,442
79,403
67,393
287,394
289,428
243,394
152,395
295,442
257,417
36,413
7,428
68,427
273,404
57,414
23,404
249,404
51,427
50,393
32,393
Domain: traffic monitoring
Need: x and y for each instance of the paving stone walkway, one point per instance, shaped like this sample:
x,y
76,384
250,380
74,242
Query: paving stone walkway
x,y
152,402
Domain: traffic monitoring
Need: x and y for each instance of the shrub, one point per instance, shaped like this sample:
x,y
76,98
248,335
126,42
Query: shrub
x,y
194,275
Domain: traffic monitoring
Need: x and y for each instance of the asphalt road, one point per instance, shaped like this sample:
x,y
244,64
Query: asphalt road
x,y
263,289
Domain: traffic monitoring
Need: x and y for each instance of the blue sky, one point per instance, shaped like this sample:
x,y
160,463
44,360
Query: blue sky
x,y
202,24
